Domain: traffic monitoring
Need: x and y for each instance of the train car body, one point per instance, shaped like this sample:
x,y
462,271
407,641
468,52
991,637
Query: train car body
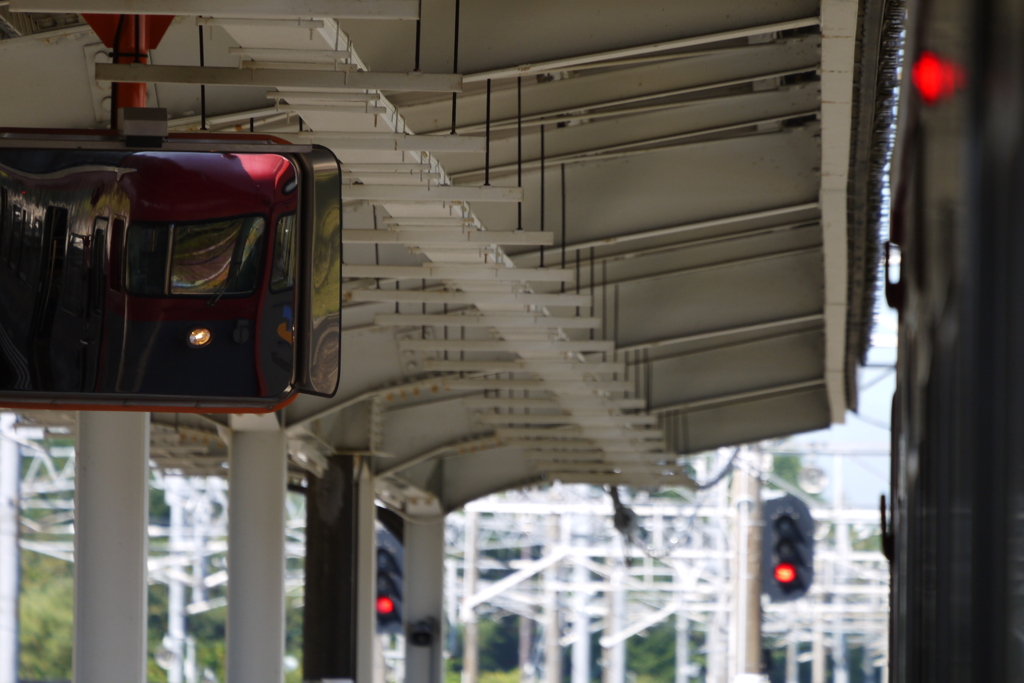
x,y
958,414
147,273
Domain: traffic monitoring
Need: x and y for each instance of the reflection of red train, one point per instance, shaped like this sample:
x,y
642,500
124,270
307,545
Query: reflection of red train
x,y
159,273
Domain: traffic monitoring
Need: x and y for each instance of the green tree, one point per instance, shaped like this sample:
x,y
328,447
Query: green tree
x,y
46,612
652,654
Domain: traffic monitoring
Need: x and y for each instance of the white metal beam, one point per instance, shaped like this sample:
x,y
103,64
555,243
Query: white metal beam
x,y
388,142
294,78
268,9
502,345
431,193
739,397
448,239
443,271
504,320
567,63
523,365
503,419
501,298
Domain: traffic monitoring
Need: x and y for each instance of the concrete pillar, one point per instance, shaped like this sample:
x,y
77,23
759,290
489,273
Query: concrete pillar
x,y
470,629
111,546
257,477
424,600
329,635
10,477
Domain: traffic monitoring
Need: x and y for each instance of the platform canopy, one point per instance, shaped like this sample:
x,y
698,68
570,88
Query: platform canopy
x,y
687,265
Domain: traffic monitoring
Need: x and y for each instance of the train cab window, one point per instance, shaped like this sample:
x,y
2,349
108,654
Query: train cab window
x,y
282,274
211,258
222,256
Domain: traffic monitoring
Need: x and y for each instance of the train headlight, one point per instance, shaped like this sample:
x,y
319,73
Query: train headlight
x,y
199,338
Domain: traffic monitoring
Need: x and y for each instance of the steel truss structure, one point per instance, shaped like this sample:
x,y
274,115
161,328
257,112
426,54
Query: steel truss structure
x,y
569,571
579,577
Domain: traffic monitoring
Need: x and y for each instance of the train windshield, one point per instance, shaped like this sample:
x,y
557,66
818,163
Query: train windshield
x,y
211,258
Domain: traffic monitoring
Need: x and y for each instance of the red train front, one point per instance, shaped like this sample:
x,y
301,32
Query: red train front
x,y
158,273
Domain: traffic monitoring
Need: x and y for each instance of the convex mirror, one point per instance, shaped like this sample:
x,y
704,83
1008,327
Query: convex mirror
x,y
203,273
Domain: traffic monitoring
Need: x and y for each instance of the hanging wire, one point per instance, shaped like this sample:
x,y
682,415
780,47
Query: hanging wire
x,y
542,186
593,293
455,60
419,29
519,137
202,88
487,137
626,521
563,224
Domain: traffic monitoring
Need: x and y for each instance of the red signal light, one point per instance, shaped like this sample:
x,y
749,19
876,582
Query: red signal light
x,y
936,78
385,605
785,572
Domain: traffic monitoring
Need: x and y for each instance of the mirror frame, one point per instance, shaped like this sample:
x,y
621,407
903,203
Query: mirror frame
x,y
308,161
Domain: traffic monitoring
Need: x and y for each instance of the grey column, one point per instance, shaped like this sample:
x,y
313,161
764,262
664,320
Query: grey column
x,y
423,599
470,628
10,476
257,477
111,546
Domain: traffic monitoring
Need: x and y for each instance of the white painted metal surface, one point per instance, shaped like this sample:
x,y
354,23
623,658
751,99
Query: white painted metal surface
x,y
256,556
111,542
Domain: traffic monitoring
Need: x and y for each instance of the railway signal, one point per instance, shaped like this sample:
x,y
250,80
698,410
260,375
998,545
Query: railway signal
x,y
389,583
787,559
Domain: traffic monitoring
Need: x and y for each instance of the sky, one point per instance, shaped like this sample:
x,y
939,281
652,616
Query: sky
x,y
865,477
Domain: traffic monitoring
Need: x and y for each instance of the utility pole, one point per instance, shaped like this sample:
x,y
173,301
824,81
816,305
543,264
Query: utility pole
x,y
10,476
580,618
471,641
841,672
614,657
682,645
526,668
817,645
792,666
552,632
746,493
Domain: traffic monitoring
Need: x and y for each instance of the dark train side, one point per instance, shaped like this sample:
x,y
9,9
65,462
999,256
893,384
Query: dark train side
x,y
167,274
958,414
